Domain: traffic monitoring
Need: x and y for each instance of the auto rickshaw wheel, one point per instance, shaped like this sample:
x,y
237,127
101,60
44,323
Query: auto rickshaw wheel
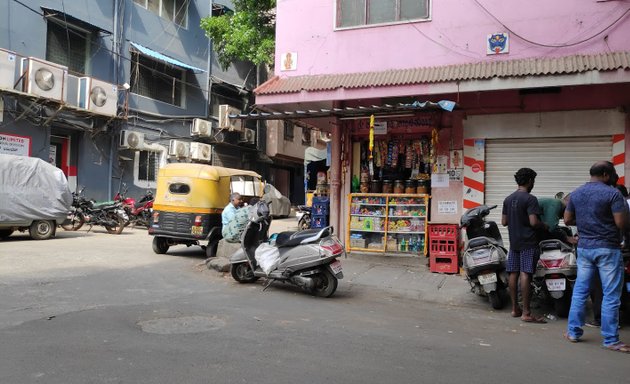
x,y
160,245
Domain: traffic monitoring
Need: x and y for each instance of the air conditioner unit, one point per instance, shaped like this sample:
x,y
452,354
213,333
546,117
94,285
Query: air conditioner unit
x,y
200,152
43,78
202,128
247,136
7,69
131,140
179,149
224,120
98,96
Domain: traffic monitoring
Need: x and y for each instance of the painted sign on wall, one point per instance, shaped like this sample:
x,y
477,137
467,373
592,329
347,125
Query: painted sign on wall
x,y
15,145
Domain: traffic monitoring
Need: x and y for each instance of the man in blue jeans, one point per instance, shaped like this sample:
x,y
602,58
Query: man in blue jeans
x,y
599,213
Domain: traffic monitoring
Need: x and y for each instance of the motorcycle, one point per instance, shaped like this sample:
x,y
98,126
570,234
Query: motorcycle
x,y
109,214
484,257
140,212
307,259
555,274
303,216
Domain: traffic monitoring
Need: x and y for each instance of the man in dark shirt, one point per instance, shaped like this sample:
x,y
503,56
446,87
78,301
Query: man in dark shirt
x,y
520,214
599,212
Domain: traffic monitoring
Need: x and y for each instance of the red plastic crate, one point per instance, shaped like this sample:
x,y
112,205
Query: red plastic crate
x,y
443,247
443,231
444,264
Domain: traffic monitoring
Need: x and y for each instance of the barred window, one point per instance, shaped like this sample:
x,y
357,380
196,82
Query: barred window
x,y
67,46
156,80
353,13
173,10
148,164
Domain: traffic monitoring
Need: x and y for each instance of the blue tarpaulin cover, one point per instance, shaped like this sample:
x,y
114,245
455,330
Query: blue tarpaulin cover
x,y
169,60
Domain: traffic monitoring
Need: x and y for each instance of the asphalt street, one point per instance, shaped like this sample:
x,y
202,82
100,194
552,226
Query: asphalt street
x,y
89,307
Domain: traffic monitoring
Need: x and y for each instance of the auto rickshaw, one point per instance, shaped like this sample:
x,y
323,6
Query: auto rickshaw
x,y
190,199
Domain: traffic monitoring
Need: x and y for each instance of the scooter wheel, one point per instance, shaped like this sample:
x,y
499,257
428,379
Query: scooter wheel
x,y
325,284
495,300
242,273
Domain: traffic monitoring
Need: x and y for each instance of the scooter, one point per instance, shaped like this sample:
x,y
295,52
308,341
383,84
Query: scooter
x,y
555,274
307,259
484,256
303,216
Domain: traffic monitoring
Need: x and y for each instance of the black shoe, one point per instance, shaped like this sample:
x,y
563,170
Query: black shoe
x,y
593,324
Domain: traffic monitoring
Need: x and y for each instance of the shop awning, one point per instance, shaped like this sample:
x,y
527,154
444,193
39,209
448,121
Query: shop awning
x,y
349,112
168,60
62,17
608,61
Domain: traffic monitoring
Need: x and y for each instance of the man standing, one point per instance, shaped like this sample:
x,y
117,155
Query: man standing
x,y
599,213
520,214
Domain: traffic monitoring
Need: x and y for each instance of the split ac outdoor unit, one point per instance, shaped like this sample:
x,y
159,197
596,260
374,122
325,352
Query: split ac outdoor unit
x,y
202,128
98,96
7,69
43,78
179,149
131,140
200,152
247,136
224,120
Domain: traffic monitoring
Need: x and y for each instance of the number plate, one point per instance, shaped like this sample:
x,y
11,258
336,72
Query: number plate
x,y
197,231
487,279
556,284
336,267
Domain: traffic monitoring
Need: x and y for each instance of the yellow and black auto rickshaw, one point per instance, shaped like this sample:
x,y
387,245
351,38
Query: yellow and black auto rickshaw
x,y
190,199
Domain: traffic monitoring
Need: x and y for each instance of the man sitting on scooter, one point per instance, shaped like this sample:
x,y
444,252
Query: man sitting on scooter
x,y
552,210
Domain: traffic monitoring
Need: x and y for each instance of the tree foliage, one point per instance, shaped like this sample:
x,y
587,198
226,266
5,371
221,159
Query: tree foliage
x,y
248,33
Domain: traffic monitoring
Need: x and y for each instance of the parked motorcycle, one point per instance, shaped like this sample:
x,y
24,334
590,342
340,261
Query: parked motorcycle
x,y
303,216
139,213
484,256
307,259
555,274
109,214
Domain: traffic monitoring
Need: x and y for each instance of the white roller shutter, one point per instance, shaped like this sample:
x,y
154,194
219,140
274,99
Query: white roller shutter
x,y
562,164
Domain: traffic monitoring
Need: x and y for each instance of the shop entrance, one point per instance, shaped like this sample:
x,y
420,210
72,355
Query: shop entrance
x,y
61,156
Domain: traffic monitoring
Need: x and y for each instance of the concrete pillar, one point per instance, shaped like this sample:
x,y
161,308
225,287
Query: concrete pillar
x,y
335,178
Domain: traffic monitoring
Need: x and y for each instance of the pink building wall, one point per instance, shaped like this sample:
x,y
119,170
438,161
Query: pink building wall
x,y
456,34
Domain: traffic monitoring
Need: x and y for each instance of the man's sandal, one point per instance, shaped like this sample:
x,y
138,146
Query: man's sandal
x,y
618,347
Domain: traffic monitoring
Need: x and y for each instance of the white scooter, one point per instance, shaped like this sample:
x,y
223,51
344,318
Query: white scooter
x,y
307,259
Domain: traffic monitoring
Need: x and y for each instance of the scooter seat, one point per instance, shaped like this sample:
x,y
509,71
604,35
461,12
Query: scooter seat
x,y
481,241
293,238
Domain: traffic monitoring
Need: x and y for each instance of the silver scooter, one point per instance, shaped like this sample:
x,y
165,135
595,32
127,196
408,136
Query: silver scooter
x,y
307,259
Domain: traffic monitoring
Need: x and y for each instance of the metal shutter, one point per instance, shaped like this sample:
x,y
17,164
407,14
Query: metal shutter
x,y
562,164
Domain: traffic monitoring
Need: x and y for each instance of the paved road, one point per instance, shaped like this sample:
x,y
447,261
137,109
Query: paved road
x,y
98,308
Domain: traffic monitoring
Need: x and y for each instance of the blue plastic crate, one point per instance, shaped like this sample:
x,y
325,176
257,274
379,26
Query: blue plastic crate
x,y
320,209
319,221
321,200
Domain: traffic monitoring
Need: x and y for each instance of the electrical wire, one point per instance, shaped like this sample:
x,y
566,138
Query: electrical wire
x,y
564,45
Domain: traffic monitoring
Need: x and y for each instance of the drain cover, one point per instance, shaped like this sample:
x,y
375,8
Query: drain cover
x,y
179,325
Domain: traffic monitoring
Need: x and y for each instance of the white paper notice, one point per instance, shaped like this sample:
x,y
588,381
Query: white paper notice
x,y
447,207
439,180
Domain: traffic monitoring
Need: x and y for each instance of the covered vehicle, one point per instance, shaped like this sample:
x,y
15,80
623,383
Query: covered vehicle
x,y
280,204
189,201
34,195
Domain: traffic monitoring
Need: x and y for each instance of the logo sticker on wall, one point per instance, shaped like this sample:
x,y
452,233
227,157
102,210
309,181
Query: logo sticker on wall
x,y
288,61
498,43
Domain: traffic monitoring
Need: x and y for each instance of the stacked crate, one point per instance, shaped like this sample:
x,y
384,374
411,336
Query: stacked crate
x,y
443,244
320,211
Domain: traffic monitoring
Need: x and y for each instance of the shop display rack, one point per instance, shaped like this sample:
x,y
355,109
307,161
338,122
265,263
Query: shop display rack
x,y
392,223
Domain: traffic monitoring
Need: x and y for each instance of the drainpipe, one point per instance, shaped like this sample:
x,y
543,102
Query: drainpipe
x,y
335,179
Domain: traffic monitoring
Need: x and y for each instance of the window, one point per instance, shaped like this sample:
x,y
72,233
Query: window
x,y
351,13
156,80
148,165
69,46
179,188
288,130
306,136
173,10
222,94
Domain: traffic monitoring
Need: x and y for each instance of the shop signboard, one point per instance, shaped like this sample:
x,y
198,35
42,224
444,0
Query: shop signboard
x,y
15,144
